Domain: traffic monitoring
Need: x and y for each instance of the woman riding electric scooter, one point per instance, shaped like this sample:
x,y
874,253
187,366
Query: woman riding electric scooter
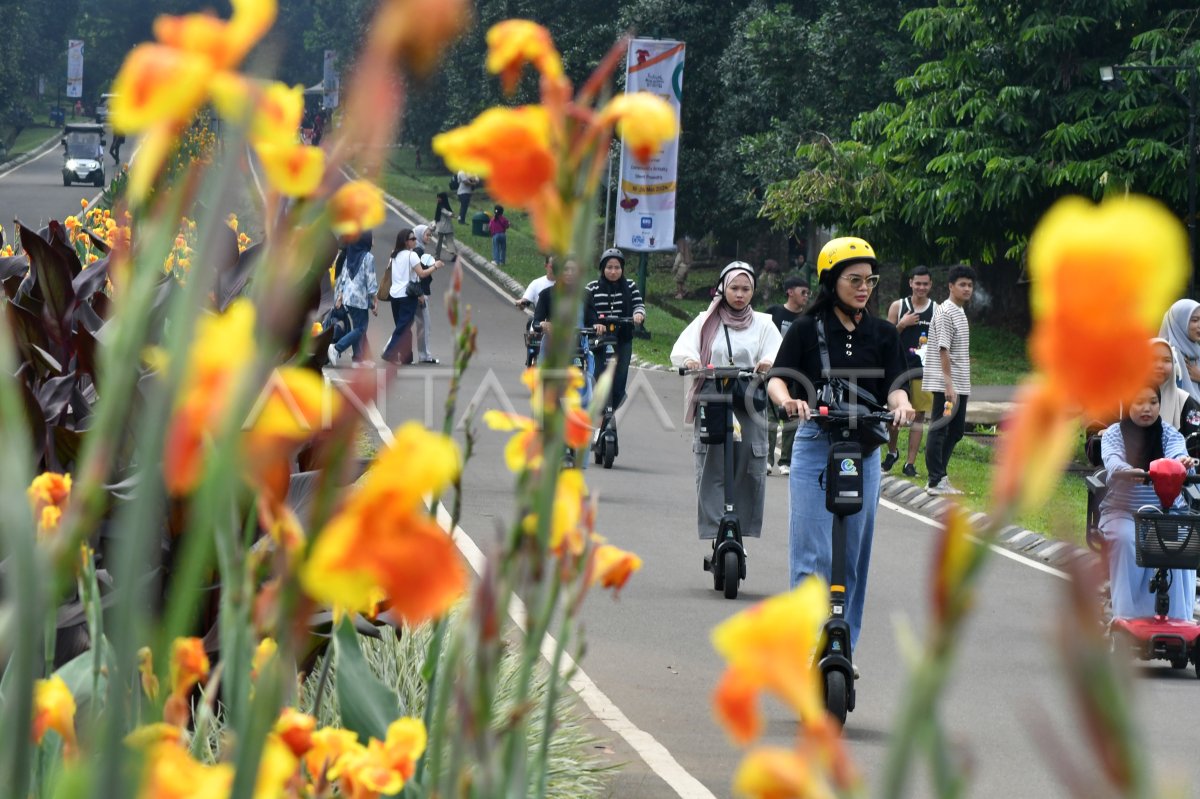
x,y
617,301
730,334
837,329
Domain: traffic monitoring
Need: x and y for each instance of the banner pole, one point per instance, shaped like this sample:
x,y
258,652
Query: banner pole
x,y
643,269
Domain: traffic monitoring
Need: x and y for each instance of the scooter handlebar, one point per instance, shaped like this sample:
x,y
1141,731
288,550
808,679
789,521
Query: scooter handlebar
x,y
1143,476
720,372
825,413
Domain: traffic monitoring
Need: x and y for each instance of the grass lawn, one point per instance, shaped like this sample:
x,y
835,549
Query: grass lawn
x,y
998,357
29,138
1062,517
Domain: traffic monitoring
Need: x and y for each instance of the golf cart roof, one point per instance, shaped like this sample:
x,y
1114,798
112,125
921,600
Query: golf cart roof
x,y
83,127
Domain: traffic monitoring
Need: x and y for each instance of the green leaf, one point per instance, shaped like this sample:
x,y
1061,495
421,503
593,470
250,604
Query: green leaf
x,y
368,706
77,674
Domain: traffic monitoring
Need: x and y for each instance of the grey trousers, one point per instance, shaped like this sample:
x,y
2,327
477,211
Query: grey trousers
x,y
421,323
750,483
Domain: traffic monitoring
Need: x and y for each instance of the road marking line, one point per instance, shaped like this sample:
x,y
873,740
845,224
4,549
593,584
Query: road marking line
x,y
653,753
1000,550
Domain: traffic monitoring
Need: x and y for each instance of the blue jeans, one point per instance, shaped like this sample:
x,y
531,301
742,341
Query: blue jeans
x,y
499,247
358,328
403,311
811,526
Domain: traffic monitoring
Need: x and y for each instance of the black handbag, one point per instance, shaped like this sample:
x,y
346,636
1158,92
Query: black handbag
x,y
749,393
842,395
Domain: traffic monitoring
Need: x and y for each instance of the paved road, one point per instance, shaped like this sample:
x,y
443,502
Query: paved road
x,y
649,652
33,193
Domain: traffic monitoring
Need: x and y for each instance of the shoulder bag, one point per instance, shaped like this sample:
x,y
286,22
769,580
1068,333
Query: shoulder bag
x,y
840,394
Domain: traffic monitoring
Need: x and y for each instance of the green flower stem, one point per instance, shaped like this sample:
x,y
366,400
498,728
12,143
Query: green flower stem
x,y
541,766
445,778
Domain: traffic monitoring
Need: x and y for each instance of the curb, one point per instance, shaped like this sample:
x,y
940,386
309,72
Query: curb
x,y
24,158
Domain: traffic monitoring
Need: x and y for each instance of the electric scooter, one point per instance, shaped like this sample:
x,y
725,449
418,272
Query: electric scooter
x,y
843,498
533,343
715,421
604,444
581,361
1164,539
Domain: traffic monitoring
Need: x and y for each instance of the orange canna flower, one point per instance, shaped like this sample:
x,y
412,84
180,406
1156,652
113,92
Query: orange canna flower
x,y
382,540
1102,278
158,84
645,121
1038,438
771,647
48,495
355,207
612,567
514,43
272,110
777,773
508,146
382,767
524,450
955,551
296,730
222,349
418,31
223,43
54,709
293,170
328,746
189,664
169,772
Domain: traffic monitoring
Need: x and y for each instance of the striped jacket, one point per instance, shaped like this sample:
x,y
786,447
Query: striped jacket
x,y
616,303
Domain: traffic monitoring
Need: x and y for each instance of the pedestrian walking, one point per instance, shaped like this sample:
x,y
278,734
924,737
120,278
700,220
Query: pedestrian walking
x,y
1181,327
796,293
354,293
947,376
423,322
407,270
498,227
837,329
614,295
730,333
114,149
443,226
912,316
466,185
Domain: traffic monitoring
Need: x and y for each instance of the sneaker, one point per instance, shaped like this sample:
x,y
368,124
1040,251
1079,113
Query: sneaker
x,y
363,364
889,460
935,489
785,469
430,359
909,470
333,354
854,668
947,488
770,468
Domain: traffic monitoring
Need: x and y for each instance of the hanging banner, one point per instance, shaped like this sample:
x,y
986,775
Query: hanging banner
x,y
646,193
75,68
330,82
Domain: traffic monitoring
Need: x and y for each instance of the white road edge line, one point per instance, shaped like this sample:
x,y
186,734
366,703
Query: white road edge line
x,y
997,549
653,753
39,157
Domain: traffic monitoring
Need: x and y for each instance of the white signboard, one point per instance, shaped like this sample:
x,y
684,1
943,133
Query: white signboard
x,y
75,68
329,81
646,192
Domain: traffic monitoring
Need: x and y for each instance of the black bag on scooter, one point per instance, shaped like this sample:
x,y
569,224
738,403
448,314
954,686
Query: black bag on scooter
x,y
712,418
841,395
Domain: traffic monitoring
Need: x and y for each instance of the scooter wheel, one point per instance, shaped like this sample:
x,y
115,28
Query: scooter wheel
x,y
731,572
610,453
837,694
598,452
1180,662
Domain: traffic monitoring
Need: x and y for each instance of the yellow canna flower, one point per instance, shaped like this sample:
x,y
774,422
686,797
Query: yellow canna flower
x,y
149,735
355,207
508,146
514,43
524,450
158,84
169,772
293,170
223,43
612,567
383,540
48,495
770,647
146,668
54,709
271,110
645,121
328,746
382,767
263,653
777,773
955,550
276,768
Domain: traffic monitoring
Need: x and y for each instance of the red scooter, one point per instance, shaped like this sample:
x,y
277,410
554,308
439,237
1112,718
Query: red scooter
x,y
1163,540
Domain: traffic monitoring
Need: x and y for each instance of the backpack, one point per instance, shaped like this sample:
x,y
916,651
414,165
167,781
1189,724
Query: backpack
x,y
454,183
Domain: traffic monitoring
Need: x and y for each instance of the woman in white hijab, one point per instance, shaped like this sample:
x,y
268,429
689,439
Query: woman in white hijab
x,y
1181,327
1178,409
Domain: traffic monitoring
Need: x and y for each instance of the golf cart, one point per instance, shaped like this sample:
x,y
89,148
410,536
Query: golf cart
x,y
83,153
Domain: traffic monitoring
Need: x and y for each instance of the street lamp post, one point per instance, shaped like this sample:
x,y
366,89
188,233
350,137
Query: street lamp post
x,y
1111,74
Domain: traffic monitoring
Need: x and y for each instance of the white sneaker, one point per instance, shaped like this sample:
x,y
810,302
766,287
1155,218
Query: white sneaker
x,y
947,488
333,354
770,468
854,667
785,469
935,489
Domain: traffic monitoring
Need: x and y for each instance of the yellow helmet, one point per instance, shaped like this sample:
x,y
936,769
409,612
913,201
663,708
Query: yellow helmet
x,y
841,250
